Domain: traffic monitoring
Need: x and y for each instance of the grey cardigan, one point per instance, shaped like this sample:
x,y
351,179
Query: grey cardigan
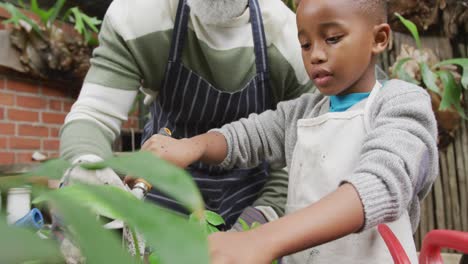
x,y
399,159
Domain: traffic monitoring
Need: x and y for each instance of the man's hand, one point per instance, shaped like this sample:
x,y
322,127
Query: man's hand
x,y
180,152
238,247
105,176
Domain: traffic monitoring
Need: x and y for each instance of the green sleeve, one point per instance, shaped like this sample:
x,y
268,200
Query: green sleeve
x,y
113,64
275,191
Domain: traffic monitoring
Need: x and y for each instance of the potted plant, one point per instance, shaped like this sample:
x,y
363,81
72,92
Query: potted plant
x,y
164,231
44,46
443,80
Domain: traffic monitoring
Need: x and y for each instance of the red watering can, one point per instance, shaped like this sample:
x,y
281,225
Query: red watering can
x,y
432,243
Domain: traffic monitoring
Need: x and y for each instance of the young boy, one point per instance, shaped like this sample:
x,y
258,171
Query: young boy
x,y
360,153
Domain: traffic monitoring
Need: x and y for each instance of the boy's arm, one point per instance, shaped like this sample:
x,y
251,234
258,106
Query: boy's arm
x,y
336,215
244,143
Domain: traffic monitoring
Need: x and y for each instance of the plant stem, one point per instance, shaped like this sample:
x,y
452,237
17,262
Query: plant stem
x,y
136,245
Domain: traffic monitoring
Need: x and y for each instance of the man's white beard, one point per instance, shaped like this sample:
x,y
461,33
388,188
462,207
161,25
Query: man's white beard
x,y
217,11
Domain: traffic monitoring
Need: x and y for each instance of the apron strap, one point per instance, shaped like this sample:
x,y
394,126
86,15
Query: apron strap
x,y
180,31
260,45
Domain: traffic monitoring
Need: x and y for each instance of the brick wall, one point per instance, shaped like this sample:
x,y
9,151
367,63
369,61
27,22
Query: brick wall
x,y
31,114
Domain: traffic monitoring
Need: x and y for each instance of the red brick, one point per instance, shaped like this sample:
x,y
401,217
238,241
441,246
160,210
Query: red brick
x,y
7,129
53,155
132,122
24,157
7,158
51,144
55,105
7,99
53,118
67,106
25,143
31,102
55,91
54,132
3,142
22,115
21,86
2,113
31,130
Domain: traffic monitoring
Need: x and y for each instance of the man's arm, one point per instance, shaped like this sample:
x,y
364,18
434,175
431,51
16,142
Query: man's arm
x,y
273,194
106,97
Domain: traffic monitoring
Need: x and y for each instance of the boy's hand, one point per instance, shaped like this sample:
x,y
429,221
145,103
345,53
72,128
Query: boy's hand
x,y
180,152
237,247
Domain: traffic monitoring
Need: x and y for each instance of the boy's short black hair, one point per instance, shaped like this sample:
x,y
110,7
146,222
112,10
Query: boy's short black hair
x,y
374,8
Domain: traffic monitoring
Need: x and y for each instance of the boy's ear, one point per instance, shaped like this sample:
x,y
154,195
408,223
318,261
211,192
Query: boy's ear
x,y
381,38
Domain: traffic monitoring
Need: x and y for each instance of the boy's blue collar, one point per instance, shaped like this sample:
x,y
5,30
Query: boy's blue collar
x,y
341,103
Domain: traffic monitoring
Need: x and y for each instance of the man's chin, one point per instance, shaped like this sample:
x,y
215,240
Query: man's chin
x,y
215,12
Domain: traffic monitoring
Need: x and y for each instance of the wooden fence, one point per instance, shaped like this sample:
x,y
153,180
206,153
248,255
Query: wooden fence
x,y
446,207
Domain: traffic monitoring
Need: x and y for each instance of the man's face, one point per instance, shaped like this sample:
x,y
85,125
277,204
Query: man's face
x,y
336,41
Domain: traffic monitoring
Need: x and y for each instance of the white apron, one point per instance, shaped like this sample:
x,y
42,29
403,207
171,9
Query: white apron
x,y
327,149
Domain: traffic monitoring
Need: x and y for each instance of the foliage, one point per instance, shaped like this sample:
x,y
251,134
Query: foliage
x,y
166,232
291,4
441,77
84,24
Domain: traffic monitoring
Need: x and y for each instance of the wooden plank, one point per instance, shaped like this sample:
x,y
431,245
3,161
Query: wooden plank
x,y
417,239
430,211
439,203
454,196
423,222
461,177
446,186
464,145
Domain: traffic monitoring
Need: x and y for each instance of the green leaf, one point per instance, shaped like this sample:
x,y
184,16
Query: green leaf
x,y
412,28
166,177
429,77
43,14
400,73
17,16
244,224
55,10
96,244
20,245
83,23
154,259
462,62
86,199
53,169
211,229
452,93
255,225
195,219
164,230
213,218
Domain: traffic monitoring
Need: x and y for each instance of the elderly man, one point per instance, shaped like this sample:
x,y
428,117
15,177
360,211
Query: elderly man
x,y
201,64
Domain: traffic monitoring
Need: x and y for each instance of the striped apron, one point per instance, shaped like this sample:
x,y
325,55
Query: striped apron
x,y
189,105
